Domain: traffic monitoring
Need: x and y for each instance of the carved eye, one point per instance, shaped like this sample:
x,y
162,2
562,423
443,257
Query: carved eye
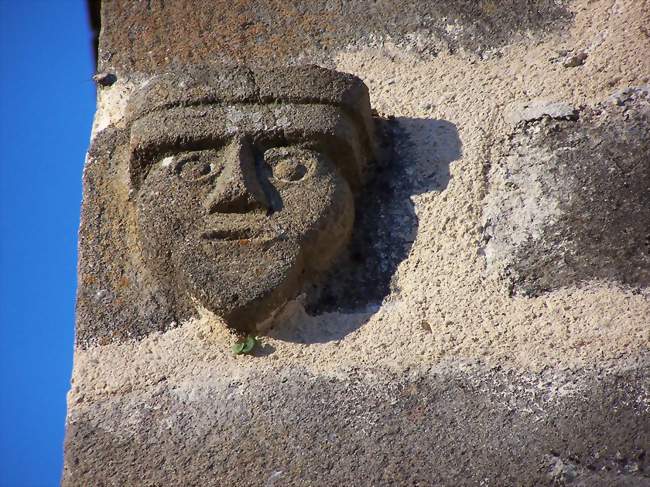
x,y
194,167
285,165
289,170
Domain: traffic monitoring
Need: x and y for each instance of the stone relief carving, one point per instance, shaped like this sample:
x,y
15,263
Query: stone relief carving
x,y
241,184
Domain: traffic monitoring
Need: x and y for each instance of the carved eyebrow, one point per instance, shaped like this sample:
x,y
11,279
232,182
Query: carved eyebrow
x,y
158,134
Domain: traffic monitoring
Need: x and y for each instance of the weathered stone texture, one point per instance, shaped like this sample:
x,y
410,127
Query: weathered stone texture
x,y
570,201
236,188
152,35
429,427
489,323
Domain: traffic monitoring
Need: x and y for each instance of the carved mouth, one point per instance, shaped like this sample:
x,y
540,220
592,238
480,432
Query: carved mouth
x,y
232,234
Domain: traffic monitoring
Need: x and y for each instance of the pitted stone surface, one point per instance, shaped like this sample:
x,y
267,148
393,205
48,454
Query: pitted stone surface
x,y
570,202
465,427
239,190
185,32
370,384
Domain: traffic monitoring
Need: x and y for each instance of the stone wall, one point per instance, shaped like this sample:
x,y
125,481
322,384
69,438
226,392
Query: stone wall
x,y
489,323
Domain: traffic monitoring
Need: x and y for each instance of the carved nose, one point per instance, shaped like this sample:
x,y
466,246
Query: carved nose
x,y
238,189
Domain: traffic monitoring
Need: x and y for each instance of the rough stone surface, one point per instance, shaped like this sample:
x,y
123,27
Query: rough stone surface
x,y
570,202
154,34
539,109
428,357
236,189
466,426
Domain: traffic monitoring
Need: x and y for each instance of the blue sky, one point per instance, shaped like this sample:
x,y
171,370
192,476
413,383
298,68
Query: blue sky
x,y
46,104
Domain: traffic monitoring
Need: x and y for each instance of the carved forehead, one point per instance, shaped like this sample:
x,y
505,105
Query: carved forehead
x,y
293,85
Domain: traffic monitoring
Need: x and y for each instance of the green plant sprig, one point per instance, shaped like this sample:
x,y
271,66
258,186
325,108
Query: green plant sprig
x,y
245,346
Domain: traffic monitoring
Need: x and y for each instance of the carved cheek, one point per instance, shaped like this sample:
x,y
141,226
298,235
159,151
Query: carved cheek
x,y
327,221
166,208
312,203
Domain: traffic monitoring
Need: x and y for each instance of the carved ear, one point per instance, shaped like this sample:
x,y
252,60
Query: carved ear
x,y
138,162
106,149
143,151
141,157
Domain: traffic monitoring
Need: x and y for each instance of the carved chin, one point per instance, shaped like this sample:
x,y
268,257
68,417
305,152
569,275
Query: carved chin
x,y
246,288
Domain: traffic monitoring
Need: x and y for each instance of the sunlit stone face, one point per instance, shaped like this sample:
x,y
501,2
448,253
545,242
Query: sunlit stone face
x,y
237,204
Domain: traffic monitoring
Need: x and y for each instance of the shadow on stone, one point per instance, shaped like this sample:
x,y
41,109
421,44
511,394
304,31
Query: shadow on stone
x,y
419,154
263,350
299,327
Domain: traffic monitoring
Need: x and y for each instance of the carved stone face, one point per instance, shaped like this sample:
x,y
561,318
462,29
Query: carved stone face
x,y
237,204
